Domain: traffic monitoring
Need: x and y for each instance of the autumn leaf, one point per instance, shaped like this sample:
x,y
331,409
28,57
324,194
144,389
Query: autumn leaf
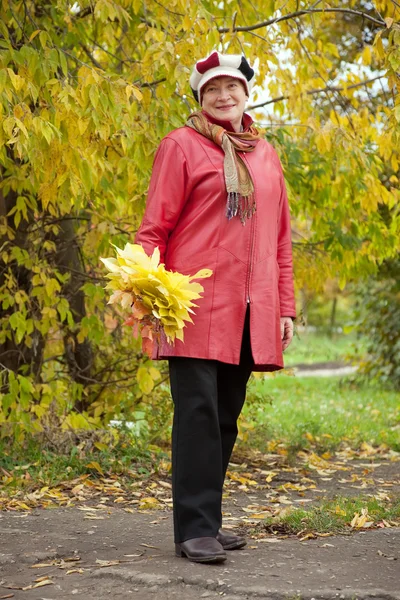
x,y
95,465
149,504
71,571
41,583
106,563
308,536
340,511
158,297
360,521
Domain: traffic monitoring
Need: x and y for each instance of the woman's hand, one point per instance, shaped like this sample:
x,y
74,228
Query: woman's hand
x,y
286,331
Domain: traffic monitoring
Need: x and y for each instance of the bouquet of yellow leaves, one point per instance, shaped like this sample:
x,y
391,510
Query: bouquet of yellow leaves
x,y
159,299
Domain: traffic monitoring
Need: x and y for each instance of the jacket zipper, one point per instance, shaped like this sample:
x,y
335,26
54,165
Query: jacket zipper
x,y
248,299
250,261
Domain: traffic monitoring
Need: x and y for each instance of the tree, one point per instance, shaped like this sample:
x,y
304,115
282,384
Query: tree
x,y
88,91
378,312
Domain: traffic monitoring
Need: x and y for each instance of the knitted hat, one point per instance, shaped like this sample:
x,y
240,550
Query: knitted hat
x,y
216,65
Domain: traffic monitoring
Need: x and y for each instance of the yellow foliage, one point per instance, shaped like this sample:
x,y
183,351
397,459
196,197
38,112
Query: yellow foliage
x,y
157,296
82,111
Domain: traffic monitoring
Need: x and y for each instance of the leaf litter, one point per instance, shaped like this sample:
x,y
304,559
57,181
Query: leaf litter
x,y
281,484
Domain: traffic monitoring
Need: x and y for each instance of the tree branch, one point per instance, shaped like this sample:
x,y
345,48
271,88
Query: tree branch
x,y
92,58
168,10
300,13
120,60
319,91
150,84
84,12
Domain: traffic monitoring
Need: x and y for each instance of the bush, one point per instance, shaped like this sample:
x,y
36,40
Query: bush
x,y
379,322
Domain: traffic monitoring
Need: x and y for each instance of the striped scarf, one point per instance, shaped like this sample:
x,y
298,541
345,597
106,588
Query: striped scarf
x,y
239,185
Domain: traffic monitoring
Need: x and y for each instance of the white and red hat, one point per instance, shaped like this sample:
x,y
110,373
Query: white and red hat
x,y
216,65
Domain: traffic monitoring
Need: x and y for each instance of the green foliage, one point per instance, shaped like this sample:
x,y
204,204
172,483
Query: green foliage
x,y
379,318
86,93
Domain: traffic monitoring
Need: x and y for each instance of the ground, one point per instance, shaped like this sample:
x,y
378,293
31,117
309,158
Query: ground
x,y
108,547
319,526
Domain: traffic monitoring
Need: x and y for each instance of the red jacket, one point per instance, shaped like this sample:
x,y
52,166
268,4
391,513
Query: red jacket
x,y
185,218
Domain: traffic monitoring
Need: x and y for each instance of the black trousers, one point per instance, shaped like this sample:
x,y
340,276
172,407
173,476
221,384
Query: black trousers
x,y
208,397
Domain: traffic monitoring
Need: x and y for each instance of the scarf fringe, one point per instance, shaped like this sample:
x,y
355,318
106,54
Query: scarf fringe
x,y
243,206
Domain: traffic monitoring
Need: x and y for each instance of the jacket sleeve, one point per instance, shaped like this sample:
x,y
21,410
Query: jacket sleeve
x,y
168,192
284,253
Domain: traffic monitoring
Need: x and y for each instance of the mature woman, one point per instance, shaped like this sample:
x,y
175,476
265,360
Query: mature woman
x,y
217,200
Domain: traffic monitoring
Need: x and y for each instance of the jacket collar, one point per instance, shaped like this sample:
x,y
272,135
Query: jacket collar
x,y
246,121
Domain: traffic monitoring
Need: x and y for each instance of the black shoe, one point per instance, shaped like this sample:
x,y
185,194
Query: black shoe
x,y
229,541
203,549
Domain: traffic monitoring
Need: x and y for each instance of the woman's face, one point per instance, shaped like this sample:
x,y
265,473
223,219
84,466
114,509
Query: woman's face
x,y
224,98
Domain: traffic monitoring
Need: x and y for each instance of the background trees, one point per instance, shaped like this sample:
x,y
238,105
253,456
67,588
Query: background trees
x,y
88,90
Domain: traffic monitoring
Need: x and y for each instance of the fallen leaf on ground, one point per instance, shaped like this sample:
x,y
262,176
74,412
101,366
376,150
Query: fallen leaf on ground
x,y
386,556
340,511
107,563
45,565
307,536
149,503
269,475
295,487
37,585
70,571
242,480
12,586
255,508
327,546
165,484
95,465
383,524
360,521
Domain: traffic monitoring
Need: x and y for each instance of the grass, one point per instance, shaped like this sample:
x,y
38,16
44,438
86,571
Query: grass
x,y
322,414
332,516
311,347
32,463
319,412
297,413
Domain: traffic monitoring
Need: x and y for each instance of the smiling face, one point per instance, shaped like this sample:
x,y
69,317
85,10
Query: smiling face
x,y
224,98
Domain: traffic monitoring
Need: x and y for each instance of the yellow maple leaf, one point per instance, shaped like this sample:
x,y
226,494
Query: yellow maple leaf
x,y
156,294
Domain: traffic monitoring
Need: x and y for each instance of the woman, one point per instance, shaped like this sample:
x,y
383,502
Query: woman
x,y
217,200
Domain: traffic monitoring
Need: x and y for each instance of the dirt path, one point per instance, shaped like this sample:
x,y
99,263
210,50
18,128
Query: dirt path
x,y
77,554
107,546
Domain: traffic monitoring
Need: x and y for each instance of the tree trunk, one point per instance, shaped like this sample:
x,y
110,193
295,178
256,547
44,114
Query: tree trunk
x,y
333,317
79,356
14,355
